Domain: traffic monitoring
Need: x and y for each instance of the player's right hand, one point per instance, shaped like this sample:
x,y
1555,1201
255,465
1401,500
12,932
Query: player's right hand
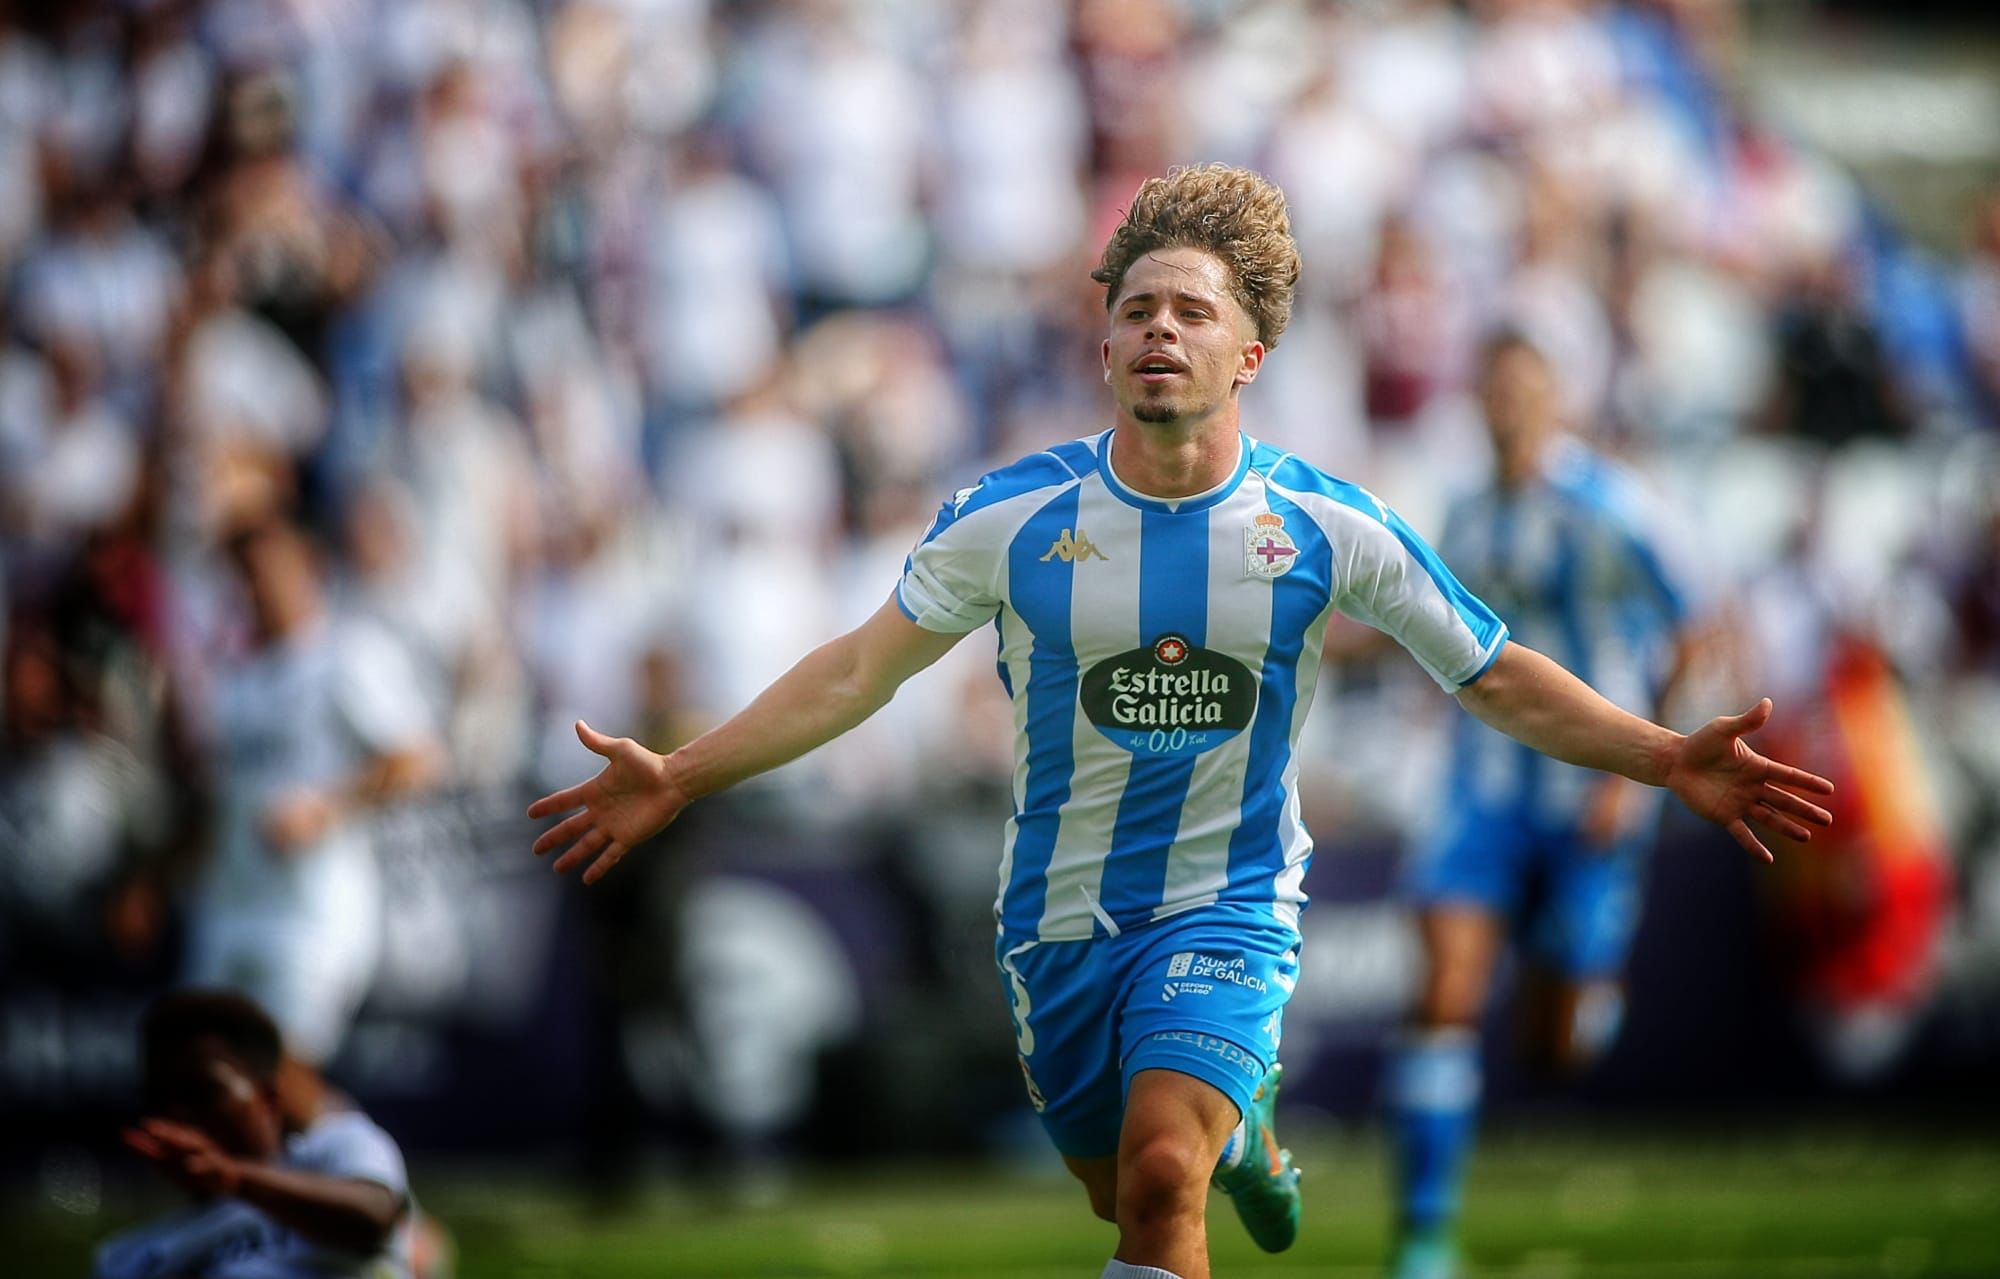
x,y
631,799
187,1155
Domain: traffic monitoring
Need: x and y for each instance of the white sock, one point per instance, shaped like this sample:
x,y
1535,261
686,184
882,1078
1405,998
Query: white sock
x,y
1115,1269
1232,1150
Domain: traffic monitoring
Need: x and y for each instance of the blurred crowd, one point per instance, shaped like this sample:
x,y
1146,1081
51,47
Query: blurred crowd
x,y
595,358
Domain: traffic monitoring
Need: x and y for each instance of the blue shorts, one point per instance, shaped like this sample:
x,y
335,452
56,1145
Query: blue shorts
x,y
1202,992
1574,904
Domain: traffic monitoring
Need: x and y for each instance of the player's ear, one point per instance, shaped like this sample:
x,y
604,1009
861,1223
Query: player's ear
x,y
1249,361
1104,354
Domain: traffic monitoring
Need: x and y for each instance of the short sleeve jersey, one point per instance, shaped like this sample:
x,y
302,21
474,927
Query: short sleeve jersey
x,y
1584,564
1160,657
306,712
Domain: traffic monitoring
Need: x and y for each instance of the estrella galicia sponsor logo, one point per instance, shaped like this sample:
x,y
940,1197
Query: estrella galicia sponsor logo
x,y
1171,698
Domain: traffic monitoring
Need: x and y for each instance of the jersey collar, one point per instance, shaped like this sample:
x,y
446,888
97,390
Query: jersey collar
x,y
1178,505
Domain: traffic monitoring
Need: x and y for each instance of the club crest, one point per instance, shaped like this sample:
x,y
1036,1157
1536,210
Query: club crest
x,y
1268,551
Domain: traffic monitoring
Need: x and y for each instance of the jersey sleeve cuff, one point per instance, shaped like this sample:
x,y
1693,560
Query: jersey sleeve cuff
x,y
1486,664
936,615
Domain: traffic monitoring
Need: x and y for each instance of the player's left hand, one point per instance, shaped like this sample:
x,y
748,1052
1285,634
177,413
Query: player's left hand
x,y
187,1155
1717,775
630,800
299,819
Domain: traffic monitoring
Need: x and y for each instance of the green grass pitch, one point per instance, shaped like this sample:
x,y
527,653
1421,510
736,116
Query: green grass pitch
x,y
1801,1204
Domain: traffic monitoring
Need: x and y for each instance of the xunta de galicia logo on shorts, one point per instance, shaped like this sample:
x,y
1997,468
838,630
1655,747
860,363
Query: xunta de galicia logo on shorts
x,y
1171,698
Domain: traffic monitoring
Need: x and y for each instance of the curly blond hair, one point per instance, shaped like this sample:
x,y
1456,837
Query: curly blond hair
x,y
1237,215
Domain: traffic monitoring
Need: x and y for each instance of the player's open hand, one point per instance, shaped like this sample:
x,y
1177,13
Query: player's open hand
x,y
187,1155
1718,776
632,798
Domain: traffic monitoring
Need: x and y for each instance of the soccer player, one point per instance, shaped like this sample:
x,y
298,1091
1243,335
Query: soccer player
x,y
318,722
1160,593
1564,544
288,1183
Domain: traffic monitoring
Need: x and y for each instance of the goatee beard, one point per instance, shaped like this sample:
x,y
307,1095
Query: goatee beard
x,y
1155,413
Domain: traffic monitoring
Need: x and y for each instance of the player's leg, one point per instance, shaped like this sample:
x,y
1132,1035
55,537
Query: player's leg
x,y
1204,998
1100,1183
1434,1083
1175,1128
1063,1000
1463,883
1580,943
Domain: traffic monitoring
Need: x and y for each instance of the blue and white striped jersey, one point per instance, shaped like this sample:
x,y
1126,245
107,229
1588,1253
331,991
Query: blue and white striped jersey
x,y
1581,565
1160,657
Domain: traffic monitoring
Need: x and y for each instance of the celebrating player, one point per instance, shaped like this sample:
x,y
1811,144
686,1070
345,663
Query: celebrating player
x,y
1564,544
1161,591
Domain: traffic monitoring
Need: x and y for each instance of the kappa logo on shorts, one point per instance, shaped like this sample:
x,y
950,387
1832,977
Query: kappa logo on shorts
x,y
1222,1048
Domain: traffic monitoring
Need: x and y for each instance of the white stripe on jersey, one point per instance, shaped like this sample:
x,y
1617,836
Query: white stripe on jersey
x,y
1103,595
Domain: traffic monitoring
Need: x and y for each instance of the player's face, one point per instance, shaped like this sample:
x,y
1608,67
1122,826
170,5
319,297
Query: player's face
x,y
1518,394
1180,343
277,572
205,1087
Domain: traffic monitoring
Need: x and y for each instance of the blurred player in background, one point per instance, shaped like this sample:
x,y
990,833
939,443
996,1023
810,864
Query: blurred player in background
x,y
288,1180
318,721
1161,593
1564,545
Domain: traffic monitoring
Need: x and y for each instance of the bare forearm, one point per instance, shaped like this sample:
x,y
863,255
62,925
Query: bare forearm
x,y
392,776
827,693
1535,701
337,1212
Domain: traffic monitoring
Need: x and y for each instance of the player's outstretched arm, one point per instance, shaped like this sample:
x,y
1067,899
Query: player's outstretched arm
x,y
349,1213
1715,773
638,792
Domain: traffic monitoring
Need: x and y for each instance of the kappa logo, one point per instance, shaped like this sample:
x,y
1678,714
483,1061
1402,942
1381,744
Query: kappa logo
x,y
1073,549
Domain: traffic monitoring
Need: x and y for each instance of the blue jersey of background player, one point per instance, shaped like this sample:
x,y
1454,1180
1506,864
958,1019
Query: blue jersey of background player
x,y
1154,856
1570,551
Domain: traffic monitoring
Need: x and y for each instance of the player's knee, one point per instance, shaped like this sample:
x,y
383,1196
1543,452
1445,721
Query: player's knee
x,y
1453,996
1596,1014
1163,1177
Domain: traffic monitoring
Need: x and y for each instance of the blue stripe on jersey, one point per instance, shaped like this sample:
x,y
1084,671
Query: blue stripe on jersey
x,y
1077,455
1471,610
1039,591
1256,855
1173,600
1040,470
